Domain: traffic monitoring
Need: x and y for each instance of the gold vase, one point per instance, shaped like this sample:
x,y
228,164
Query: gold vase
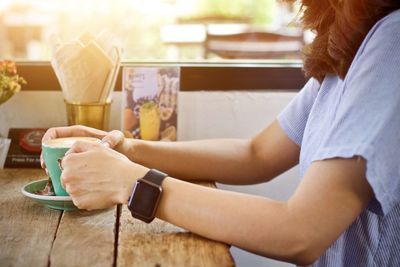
x,y
95,115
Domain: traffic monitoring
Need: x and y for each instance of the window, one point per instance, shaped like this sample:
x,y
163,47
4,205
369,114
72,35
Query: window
x,y
155,30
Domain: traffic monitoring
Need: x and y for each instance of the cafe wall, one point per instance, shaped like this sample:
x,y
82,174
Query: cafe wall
x,y
201,115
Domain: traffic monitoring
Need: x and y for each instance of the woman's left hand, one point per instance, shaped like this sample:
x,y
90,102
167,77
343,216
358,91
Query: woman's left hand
x,y
98,177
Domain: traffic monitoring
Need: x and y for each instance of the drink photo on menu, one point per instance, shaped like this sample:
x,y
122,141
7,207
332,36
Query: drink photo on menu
x,y
150,103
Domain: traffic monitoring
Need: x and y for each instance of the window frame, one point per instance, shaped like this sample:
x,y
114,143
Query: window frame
x,y
273,75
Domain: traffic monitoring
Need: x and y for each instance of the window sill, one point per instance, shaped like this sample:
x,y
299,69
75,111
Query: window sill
x,y
195,76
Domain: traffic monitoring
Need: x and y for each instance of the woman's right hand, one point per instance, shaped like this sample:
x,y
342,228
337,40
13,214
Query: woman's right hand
x,y
109,139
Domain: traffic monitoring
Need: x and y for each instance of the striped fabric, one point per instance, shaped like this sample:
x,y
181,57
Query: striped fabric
x,y
358,116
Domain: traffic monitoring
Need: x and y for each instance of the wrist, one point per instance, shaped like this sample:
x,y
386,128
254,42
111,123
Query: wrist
x,y
145,198
129,147
132,173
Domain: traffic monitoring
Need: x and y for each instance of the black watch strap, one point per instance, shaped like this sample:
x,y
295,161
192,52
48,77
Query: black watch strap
x,y
155,176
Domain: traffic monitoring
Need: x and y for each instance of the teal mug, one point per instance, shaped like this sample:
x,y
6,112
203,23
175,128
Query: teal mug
x,y
53,150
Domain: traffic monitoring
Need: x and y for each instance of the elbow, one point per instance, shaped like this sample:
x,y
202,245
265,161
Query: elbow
x,y
293,249
305,253
298,254
304,258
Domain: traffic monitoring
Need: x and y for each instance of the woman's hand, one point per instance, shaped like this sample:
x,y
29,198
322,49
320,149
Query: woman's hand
x,y
98,177
110,139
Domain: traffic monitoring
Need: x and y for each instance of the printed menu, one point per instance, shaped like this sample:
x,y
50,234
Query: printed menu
x,y
150,103
25,148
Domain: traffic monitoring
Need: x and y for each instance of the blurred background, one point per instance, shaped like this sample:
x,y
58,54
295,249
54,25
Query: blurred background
x,y
155,30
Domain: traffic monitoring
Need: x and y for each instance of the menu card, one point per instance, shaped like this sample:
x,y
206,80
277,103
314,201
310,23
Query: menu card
x,y
25,148
150,103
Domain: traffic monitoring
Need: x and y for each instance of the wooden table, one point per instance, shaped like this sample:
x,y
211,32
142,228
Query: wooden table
x,y
32,235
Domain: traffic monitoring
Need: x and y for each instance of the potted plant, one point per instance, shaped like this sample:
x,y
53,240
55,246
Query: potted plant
x,y
10,81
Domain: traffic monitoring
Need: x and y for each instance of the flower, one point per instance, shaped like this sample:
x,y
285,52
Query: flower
x,y
10,81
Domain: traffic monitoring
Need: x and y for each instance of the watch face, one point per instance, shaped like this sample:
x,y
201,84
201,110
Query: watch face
x,y
145,199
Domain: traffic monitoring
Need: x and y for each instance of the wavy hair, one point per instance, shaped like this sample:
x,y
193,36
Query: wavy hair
x,y
340,27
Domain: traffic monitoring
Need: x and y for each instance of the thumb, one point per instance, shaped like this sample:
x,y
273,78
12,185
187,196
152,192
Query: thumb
x,y
81,146
113,138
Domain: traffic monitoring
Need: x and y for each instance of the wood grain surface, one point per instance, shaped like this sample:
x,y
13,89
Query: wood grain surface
x,y
27,229
163,244
32,235
85,238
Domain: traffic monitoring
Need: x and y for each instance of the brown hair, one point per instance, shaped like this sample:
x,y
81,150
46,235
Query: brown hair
x,y
340,27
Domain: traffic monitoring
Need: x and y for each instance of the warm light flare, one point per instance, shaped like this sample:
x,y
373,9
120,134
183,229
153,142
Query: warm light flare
x,y
145,28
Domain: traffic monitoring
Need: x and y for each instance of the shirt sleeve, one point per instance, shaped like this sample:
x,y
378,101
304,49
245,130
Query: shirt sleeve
x,y
367,119
293,118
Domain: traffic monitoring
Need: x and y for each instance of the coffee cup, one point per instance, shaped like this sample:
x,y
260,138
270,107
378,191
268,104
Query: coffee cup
x,y
53,150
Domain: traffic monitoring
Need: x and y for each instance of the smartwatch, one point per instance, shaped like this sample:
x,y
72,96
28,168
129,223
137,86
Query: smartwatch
x,y
146,195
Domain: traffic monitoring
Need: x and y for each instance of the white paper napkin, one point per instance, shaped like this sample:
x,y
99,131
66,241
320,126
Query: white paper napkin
x,y
4,146
87,68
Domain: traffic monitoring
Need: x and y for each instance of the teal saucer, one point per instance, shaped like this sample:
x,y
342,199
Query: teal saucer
x,y
52,202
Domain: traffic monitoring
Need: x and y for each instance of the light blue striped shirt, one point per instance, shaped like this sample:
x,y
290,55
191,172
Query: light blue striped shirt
x,y
359,115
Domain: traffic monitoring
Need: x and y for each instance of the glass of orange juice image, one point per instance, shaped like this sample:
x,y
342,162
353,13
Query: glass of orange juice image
x,y
149,117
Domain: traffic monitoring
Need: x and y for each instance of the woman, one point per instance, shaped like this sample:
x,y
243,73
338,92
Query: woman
x,y
342,128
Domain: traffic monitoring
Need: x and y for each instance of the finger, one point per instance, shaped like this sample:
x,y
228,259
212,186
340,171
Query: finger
x,y
67,178
83,202
72,162
73,189
77,202
76,130
49,134
64,178
90,132
94,201
69,166
58,132
82,146
113,138
42,164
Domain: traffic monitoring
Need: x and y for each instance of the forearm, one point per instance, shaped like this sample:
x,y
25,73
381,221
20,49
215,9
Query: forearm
x,y
332,194
253,223
231,161
223,160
